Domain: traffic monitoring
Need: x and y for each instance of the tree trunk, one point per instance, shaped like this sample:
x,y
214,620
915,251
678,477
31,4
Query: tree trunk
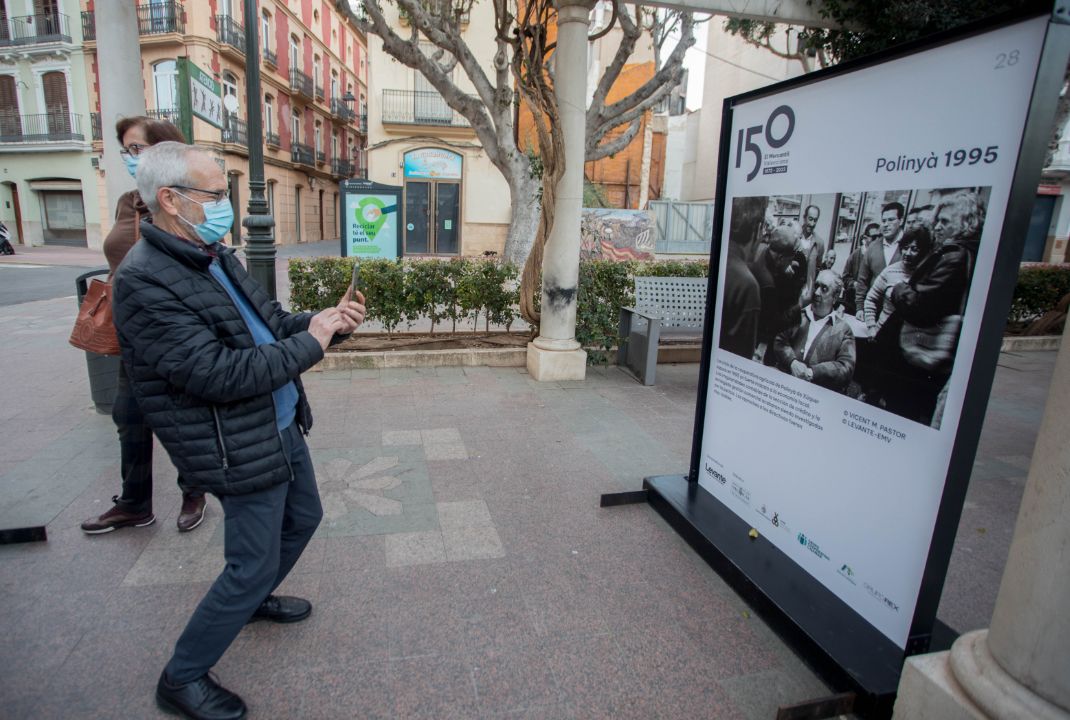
x,y
524,224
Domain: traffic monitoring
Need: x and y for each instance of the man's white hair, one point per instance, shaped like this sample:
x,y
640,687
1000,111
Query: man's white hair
x,y
163,165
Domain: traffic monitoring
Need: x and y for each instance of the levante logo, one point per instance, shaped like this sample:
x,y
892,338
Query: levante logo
x,y
778,129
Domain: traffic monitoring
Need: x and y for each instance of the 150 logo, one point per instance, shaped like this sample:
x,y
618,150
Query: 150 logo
x,y
745,140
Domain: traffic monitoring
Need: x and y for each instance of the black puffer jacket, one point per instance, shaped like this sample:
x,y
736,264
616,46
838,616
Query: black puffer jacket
x,y
200,379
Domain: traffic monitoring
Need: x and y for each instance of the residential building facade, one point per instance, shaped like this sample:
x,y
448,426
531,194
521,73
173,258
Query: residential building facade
x,y
455,201
314,79
48,178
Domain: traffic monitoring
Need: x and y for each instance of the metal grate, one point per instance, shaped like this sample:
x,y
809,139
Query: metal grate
x,y
680,302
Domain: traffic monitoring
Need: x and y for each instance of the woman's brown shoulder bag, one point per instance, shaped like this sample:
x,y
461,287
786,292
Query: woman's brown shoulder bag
x,y
94,330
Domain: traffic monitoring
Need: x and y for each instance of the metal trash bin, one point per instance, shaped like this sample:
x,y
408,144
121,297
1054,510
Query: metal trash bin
x,y
103,369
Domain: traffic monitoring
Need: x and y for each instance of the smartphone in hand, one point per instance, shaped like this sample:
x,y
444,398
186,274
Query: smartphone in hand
x,y
354,282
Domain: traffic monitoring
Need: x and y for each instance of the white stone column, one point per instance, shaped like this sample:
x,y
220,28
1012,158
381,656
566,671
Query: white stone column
x,y
555,354
1020,667
122,87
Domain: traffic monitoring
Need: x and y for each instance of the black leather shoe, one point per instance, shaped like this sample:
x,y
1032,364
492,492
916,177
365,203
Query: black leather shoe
x,y
282,609
202,699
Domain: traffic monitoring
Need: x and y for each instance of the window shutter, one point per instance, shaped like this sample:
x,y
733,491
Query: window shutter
x,y
59,116
10,122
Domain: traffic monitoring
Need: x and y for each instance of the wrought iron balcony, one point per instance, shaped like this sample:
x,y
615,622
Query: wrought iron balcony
x,y
46,127
300,83
230,33
171,115
411,107
342,168
271,58
319,91
301,153
33,29
272,139
161,16
94,123
321,157
341,110
235,131
89,25
363,124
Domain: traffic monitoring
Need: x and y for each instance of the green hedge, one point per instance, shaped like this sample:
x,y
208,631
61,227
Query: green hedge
x,y
1039,289
404,291
467,289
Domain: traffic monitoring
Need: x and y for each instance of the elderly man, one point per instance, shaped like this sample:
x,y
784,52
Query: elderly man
x,y
821,348
935,297
215,366
780,269
879,255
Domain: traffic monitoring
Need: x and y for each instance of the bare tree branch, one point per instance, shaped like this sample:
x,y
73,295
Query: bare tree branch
x,y
617,144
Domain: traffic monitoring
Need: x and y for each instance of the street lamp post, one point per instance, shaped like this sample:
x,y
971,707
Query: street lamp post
x,y
258,221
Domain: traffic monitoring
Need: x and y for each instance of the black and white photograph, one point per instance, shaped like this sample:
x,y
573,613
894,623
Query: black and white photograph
x,y
862,293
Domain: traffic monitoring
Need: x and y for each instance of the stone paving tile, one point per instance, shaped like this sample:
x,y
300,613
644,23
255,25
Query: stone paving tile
x,y
439,687
472,543
418,548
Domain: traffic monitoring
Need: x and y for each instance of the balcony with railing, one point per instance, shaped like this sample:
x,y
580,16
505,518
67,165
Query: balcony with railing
x,y
300,83
342,168
319,91
321,157
341,110
97,128
235,131
89,26
160,17
272,139
230,34
171,115
34,29
413,107
270,57
302,154
55,126
362,124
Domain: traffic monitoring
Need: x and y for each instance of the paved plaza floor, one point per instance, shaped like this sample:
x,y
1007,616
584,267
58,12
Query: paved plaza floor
x,y
463,568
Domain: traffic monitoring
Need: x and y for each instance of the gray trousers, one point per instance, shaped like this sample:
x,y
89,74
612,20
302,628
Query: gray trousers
x,y
264,534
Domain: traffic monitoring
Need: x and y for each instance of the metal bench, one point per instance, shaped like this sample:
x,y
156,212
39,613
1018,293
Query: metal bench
x,y
666,308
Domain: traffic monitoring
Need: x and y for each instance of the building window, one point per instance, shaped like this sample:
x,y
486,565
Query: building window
x,y
269,115
295,127
317,69
319,137
265,31
334,84
230,87
295,53
10,122
165,84
225,9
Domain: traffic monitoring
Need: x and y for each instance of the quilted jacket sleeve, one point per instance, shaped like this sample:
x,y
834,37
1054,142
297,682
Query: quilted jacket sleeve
x,y
161,331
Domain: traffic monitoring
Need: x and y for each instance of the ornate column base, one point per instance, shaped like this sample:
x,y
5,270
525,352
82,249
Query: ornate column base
x,y
967,683
547,364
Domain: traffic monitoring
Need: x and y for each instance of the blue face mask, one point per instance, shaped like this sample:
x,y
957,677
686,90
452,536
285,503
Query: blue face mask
x,y
218,219
131,164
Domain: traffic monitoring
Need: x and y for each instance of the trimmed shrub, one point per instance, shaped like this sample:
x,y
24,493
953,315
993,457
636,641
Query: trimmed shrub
x,y
1039,289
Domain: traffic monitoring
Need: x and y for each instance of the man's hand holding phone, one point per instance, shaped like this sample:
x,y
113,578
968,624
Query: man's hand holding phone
x,y
351,306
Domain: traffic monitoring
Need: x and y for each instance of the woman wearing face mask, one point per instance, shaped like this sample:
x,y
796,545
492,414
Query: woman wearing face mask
x,y
133,507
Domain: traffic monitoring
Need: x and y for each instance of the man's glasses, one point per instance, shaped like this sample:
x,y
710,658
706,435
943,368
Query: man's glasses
x,y
133,149
216,195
